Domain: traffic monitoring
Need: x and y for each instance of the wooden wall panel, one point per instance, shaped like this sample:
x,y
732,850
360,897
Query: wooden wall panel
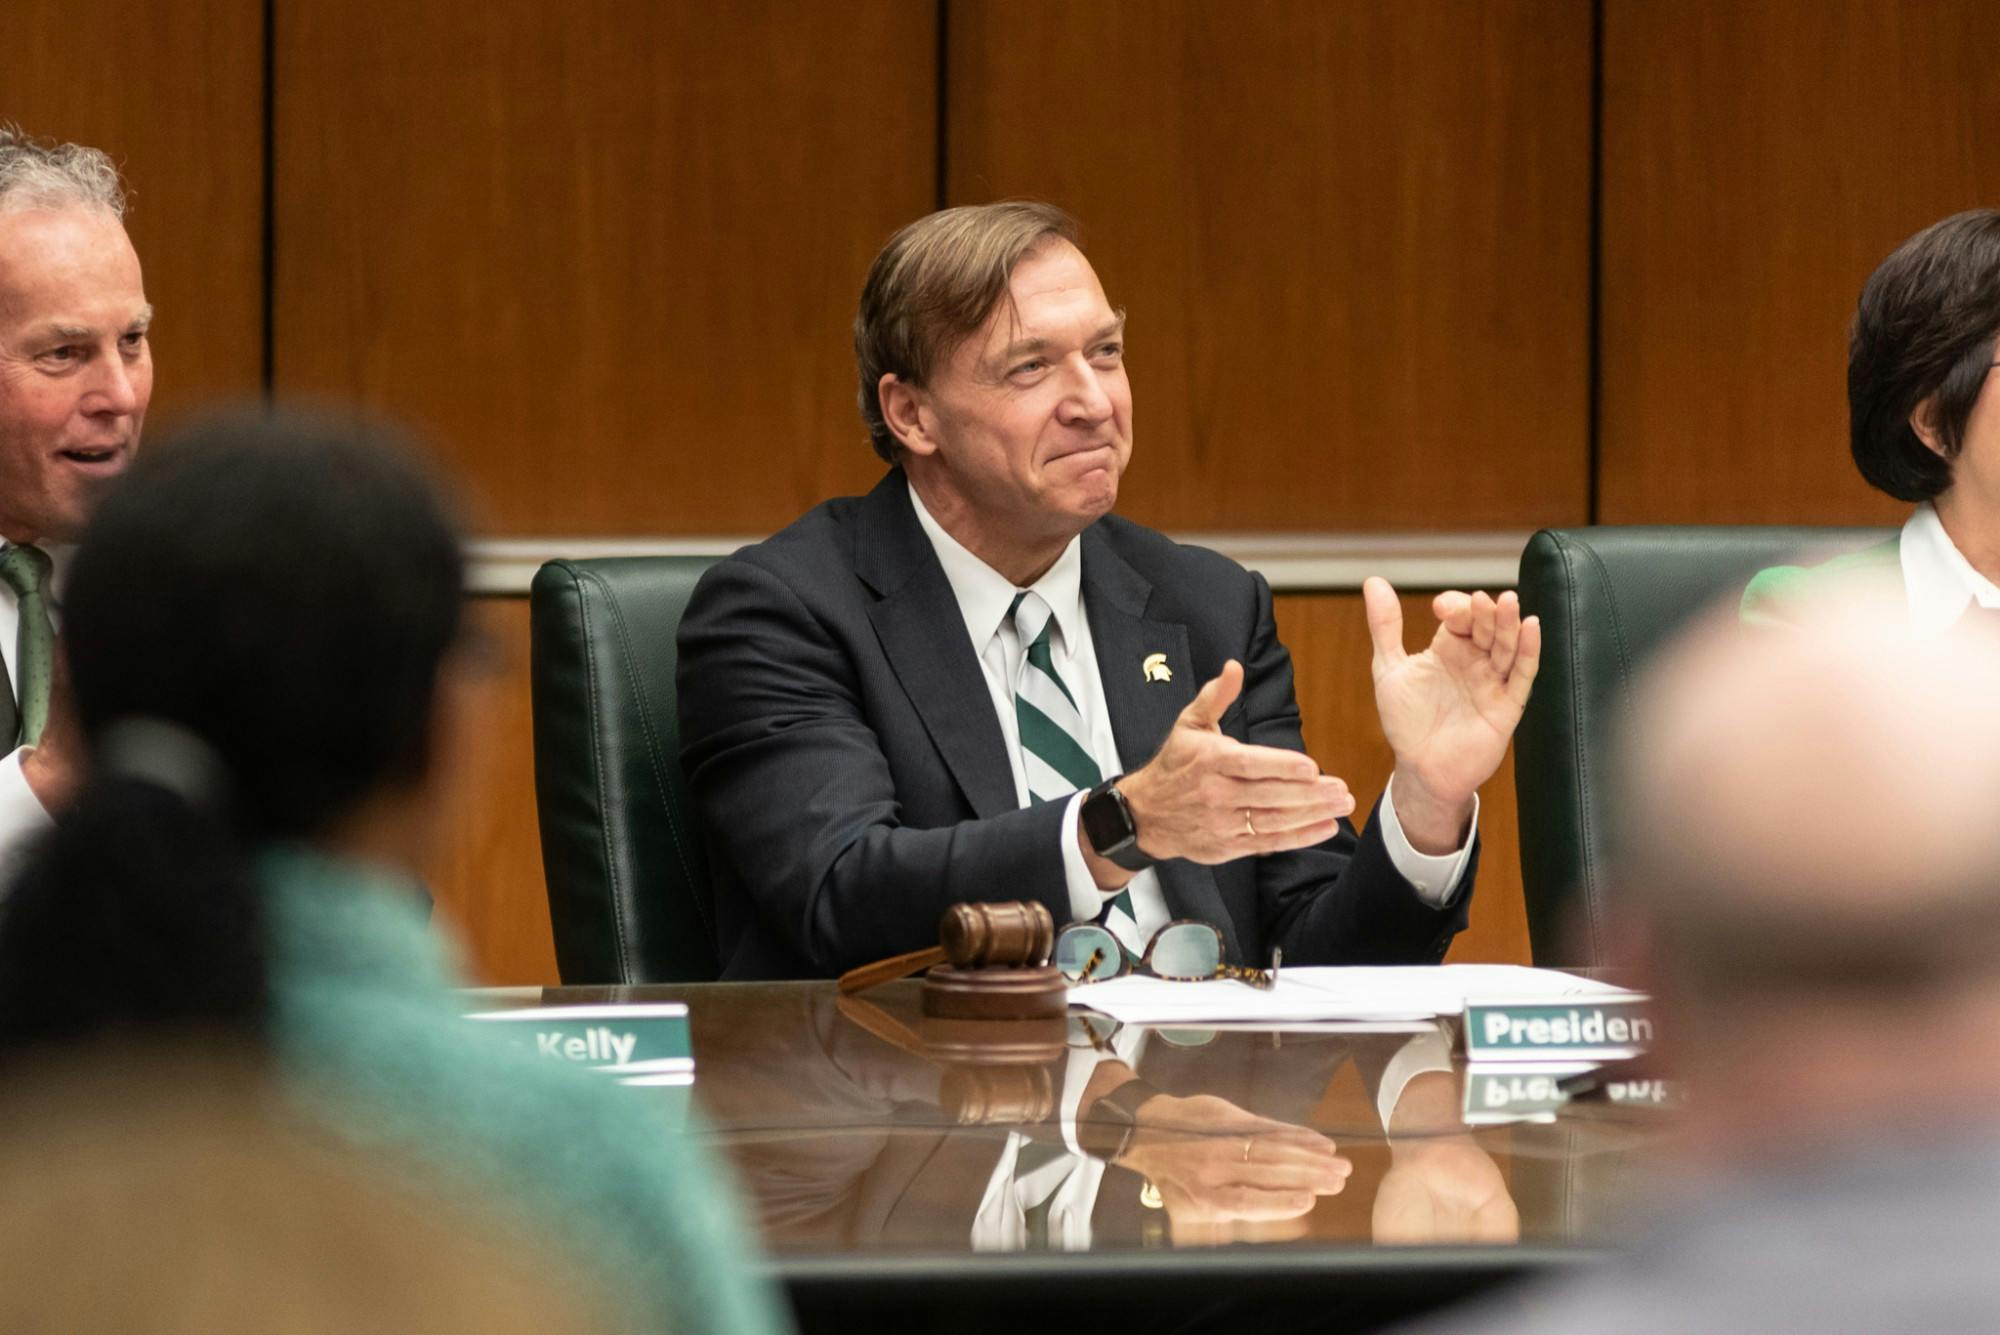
x,y
1328,637
1352,238
174,93
487,879
489,886
607,252
1760,160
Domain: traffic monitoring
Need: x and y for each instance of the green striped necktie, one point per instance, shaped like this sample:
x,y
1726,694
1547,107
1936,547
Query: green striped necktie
x,y
1055,747
25,570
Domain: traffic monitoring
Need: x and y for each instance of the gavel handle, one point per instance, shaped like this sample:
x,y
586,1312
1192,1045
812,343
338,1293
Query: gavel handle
x,y
887,971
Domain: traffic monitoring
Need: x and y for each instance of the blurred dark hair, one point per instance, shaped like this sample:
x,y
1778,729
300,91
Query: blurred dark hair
x,y
1924,328
266,599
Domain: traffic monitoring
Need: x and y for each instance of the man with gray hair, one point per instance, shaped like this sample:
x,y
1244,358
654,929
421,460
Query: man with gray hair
x,y
76,373
1813,873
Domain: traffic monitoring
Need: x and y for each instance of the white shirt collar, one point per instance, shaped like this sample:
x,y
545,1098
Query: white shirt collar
x,y
985,595
1937,578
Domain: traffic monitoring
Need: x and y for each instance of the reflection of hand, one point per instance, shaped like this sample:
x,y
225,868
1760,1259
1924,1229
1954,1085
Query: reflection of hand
x,y
1449,712
1444,1190
54,767
1216,1166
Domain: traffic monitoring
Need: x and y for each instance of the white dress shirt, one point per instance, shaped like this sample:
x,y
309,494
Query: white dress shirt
x,y
1937,579
985,597
21,812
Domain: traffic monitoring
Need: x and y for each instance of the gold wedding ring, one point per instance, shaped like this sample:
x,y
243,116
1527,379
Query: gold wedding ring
x,y
1246,1151
1247,825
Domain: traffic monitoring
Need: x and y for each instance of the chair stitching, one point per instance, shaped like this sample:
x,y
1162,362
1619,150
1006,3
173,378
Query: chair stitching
x,y
578,579
674,827
1577,745
1624,667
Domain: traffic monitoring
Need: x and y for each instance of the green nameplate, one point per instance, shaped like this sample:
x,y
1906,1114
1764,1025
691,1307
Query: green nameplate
x,y
1584,1030
1528,1091
641,1044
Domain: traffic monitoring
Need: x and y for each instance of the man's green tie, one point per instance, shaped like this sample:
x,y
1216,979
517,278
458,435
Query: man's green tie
x,y
1055,748
25,570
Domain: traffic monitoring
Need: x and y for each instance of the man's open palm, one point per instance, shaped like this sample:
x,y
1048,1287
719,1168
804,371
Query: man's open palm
x,y
1449,711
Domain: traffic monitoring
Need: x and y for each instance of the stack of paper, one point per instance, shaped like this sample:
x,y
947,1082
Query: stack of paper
x,y
1407,992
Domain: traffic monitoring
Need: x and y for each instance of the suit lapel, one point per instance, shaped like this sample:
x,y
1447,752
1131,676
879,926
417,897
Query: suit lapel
x,y
922,633
1144,706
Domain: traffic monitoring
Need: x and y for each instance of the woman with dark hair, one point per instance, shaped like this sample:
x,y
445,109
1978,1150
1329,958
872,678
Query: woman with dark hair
x,y
1924,426
263,628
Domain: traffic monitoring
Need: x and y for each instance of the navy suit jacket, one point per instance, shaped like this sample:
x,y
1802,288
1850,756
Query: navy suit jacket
x,y
844,757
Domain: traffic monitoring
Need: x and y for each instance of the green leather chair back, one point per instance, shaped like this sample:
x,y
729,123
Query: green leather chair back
x,y
1608,599
629,895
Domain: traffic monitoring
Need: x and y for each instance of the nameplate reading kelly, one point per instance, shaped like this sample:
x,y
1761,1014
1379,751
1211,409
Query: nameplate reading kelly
x,y
646,1043
1596,1030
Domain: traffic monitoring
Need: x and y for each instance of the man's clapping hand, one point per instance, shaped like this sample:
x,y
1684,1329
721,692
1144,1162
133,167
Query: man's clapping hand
x,y
1449,712
1209,798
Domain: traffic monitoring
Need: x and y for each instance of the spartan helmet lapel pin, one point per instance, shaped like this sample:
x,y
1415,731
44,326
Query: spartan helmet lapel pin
x,y
1156,669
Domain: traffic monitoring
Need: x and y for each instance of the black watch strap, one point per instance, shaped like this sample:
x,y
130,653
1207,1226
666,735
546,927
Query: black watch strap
x,y
1109,826
1110,1123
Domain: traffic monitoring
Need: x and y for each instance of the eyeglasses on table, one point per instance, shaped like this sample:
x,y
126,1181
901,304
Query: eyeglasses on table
x,y
1183,951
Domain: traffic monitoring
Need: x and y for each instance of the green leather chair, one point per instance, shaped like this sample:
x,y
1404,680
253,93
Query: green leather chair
x,y
629,895
1608,599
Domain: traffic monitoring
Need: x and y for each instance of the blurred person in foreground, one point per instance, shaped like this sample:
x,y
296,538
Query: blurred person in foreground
x,y
172,1190
1924,426
273,687
1819,921
76,374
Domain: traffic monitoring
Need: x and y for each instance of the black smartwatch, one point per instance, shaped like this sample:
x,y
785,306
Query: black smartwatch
x,y
1109,1124
1108,825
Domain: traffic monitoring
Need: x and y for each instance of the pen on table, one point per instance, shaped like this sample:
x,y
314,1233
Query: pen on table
x,y
1586,1084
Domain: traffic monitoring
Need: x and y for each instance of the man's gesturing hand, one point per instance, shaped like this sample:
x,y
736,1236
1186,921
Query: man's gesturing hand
x,y
1210,798
1449,711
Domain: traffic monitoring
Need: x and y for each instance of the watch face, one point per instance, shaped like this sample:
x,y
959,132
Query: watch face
x,y
1106,822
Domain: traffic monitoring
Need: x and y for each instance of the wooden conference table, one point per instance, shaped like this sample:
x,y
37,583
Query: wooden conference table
x,y
869,1138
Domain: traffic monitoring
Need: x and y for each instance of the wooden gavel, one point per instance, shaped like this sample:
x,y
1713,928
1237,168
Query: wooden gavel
x,y
970,936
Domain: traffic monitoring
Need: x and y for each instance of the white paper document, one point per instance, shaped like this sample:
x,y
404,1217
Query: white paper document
x,y
1387,992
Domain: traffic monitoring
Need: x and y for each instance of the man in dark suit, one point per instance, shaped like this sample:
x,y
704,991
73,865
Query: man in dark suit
x,y
975,683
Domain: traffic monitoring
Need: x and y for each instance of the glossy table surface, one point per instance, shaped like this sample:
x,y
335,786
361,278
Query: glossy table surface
x,y
880,1146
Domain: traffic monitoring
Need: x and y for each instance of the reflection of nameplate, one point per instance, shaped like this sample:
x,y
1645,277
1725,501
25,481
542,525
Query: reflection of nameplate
x,y
1529,1092
639,1043
1584,1030
1516,1092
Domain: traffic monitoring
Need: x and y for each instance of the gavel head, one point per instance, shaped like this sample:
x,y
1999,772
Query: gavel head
x,y
977,935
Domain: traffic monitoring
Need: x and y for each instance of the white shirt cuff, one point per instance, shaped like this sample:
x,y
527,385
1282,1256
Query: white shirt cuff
x,y
21,813
1426,1052
1434,878
1086,901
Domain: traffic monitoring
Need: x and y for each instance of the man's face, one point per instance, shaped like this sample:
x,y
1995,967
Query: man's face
x,y
76,371
1033,412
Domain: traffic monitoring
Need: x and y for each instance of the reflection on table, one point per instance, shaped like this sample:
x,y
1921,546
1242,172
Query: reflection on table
x,y
863,1128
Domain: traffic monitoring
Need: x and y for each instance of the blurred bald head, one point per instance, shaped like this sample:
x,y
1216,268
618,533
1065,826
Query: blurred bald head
x,y
1819,810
